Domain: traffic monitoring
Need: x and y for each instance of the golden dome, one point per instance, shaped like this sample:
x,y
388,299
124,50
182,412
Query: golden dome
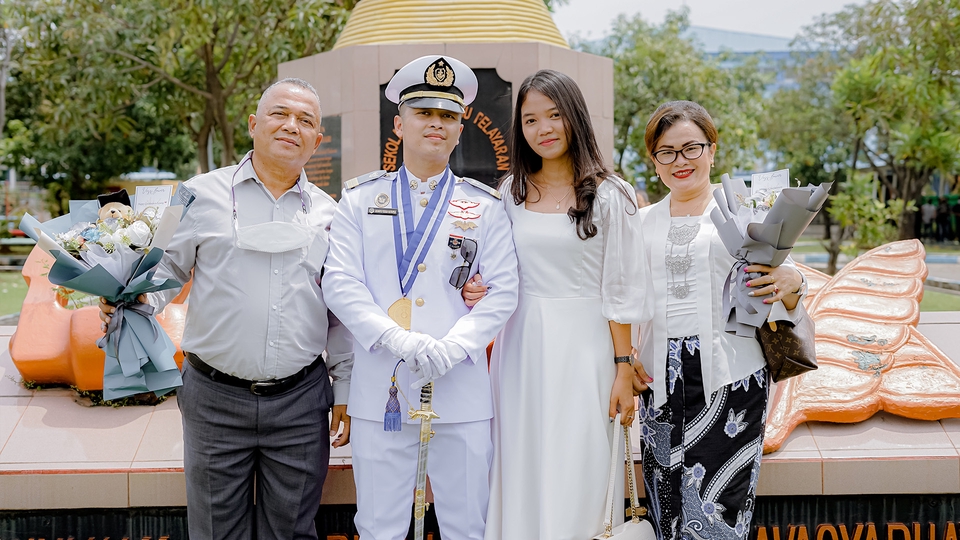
x,y
380,22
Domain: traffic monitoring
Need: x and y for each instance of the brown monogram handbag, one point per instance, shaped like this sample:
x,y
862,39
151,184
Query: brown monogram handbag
x,y
790,349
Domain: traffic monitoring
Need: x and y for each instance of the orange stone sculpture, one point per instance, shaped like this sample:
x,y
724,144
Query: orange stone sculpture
x,y
871,356
54,344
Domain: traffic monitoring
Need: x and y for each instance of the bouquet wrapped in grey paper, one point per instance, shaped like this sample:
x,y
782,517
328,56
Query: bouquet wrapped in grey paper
x,y
759,230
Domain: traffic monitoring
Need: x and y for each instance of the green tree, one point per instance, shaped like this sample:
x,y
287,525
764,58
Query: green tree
x,y
806,131
899,88
655,64
10,47
73,165
100,57
861,216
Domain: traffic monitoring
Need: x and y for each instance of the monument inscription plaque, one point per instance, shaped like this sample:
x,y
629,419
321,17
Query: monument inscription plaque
x,y
323,169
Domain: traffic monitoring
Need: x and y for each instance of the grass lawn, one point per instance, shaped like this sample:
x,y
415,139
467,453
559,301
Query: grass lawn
x,y
934,300
13,289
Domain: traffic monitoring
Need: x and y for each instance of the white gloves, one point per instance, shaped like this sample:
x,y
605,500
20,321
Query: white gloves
x,y
404,344
428,358
441,357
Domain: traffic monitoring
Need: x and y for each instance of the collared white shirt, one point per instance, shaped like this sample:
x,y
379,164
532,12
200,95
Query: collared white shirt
x,y
252,314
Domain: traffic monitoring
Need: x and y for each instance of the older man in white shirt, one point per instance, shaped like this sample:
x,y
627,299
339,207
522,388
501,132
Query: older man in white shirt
x,y
256,392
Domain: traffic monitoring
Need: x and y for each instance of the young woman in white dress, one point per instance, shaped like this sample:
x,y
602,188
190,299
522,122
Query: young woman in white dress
x,y
561,368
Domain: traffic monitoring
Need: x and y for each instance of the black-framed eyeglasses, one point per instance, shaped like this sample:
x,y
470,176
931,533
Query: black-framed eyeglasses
x,y
690,151
460,274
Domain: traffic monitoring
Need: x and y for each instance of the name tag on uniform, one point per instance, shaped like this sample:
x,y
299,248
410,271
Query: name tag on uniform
x,y
382,211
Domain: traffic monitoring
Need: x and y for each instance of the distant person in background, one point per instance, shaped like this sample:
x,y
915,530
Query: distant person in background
x,y
944,231
928,215
955,210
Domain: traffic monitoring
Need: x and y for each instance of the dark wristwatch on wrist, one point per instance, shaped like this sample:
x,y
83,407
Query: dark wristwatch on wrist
x,y
623,359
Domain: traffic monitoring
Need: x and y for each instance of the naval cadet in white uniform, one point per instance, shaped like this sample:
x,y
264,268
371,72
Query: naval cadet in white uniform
x,y
402,245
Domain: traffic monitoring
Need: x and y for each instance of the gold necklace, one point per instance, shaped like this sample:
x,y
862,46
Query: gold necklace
x,y
700,205
566,192
565,195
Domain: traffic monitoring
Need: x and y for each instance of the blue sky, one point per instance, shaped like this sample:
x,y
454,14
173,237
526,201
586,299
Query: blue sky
x,y
591,19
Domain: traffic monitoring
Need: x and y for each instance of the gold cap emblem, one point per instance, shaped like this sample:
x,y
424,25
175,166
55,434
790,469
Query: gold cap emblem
x,y
439,73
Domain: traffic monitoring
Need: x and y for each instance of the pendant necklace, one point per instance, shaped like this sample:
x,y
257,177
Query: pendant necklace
x,y
565,193
542,188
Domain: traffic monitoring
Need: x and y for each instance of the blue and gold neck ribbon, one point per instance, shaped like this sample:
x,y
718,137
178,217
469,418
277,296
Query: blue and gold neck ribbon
x,y
413,242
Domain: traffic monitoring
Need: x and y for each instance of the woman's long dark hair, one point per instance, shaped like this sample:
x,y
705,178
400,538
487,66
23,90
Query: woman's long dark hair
x,y
588,167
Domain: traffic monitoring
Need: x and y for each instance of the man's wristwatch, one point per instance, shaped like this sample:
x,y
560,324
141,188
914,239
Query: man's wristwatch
x,y
623,359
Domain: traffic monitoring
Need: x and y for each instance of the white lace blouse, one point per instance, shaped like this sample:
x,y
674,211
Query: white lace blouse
x,y
724,358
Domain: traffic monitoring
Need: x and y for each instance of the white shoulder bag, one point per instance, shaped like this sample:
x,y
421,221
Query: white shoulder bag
x,y
635,529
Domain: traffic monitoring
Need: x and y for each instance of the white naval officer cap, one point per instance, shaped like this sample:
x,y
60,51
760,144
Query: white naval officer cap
x,y
434,82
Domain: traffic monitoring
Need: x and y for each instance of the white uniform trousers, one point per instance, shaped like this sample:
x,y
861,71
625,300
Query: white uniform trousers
x,y
385,472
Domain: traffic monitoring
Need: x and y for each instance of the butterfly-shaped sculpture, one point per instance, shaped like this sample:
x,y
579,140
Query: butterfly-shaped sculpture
x,y
871,356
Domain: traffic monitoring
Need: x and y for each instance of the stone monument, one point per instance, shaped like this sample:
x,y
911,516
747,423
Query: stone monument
x,y
503,41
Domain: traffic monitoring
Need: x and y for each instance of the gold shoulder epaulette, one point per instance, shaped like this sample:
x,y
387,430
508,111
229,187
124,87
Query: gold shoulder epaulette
x,y
354,182
480,185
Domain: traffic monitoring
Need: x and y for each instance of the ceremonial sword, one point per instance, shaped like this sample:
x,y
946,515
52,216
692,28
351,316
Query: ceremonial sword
x,y
426,416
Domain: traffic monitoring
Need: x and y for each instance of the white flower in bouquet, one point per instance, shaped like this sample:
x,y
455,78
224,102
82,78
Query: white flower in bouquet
x,y
109,240
762,201
138,233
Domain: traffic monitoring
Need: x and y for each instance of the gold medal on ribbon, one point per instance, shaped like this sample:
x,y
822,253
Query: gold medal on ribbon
x,y
399,311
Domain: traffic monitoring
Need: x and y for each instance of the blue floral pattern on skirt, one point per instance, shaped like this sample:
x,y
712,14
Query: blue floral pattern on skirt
x,y
701,458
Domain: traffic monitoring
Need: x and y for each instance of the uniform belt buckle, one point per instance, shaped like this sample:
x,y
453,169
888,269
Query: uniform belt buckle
x,y
263,388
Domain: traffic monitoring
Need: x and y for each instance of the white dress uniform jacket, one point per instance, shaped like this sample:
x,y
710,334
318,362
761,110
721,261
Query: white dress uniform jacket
x,y
361,281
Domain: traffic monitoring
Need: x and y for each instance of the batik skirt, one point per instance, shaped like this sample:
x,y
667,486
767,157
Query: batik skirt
x,y
701,457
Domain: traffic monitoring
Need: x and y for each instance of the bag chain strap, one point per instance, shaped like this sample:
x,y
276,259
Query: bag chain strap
x,y
635,510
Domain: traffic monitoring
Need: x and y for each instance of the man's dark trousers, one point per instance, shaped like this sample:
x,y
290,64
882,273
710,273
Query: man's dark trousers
x,y
231,436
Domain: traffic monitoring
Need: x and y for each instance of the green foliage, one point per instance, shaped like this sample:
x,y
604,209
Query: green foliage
x,y
898,86
75,164
552,5
803,127
94,398
653,65
13,289
871,222
73,299
97,68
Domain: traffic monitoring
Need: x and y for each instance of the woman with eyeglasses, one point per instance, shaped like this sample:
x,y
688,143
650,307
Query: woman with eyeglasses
x,y
561,368
702,416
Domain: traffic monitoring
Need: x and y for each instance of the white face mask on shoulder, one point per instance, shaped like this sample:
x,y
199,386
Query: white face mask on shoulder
x,y
277,236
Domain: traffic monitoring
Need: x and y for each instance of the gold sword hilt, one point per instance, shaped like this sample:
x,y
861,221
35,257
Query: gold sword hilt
x,y
421,414
425,412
